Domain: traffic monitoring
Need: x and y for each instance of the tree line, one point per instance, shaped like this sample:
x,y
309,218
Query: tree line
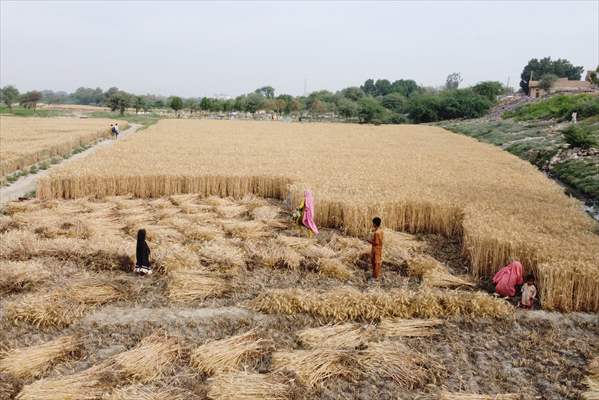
x,y
375,101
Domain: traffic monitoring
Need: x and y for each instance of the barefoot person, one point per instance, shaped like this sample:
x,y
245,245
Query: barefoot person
x,y
508,278
376,253
142,254
529,292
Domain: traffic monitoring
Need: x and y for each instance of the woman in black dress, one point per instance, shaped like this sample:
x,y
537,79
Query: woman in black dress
x,y
142,254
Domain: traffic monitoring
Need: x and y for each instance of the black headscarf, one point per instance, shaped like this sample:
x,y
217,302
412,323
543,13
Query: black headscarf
x,y
142,252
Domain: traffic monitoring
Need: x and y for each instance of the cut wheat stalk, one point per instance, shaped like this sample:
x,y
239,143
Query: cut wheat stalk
x,y
19,276
248,386
434,274
345,336
230,354
85,385
273,254
189,286
315,366
334,268
33,361
408,327
44,310
144,392
221,252
592,381
473,396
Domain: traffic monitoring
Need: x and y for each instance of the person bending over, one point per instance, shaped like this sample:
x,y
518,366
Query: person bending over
x,y
142,254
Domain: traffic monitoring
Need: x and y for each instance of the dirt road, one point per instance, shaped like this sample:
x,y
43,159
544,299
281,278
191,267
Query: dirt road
x,y
28,183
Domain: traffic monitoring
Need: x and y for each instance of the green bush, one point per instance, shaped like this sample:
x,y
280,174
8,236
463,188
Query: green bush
x,y
580,136
449,104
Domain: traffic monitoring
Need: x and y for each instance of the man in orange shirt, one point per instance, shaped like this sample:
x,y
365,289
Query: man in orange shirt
x,y
376,254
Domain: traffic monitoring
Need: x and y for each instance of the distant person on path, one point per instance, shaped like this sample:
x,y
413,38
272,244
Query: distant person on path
x,y
116,127
529,292
142,254
574,117
113,130
376,253
508,278
304,214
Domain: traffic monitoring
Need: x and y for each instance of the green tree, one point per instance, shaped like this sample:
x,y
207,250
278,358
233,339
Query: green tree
x,y
382,87
266,91
9,95
255,102
368,87
580,136
30,99
139,103
453,81
370,110
405,87
395,102
119,100
192,105
489,89
537,68
109,93
593,76
547,81
353,93
176,103
347,108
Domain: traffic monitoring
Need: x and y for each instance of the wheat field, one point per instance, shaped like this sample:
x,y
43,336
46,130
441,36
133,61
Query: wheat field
x,y
417,178
26,141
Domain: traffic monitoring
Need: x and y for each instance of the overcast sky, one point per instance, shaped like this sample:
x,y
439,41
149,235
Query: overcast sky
x,y
203,48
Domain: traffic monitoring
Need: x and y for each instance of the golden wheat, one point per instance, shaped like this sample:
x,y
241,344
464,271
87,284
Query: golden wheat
x,y
416,182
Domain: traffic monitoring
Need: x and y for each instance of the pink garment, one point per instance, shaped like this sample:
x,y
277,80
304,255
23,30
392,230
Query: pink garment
x,y
308,219
507,278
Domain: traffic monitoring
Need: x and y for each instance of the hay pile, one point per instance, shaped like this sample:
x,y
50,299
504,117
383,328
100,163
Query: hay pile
x,y
85,385
592,381
149,360
345,336
274,254
230,354
34,361
144,392
350,304
434,274
392,328
189,286
221,252
202,233
315,366
334,268
18,276
265,213
249,386
174,258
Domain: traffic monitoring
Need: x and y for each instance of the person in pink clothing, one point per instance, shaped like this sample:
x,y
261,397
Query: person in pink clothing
x,y
508,278
304,214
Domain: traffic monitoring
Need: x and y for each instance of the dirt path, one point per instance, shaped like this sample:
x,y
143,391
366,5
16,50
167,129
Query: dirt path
x,y
28,183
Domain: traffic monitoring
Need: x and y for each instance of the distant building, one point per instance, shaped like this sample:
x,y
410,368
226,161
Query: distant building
x,y
561,85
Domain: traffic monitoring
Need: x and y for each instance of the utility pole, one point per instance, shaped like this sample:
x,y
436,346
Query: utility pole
x,y
305,86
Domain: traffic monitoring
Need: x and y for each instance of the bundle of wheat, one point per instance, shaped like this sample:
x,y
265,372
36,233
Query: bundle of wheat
x,y
85,385
222,252
350,249
472,396
231,211
334,268
230,354
91,290
245,229
315,366
395,361
189,286
7,223
273,254
249,386
144,392
408,327
33,361
350,304
434,274
18,245
316,251
592,381
175,257
150,359
18,276
345,336
45,310
202,233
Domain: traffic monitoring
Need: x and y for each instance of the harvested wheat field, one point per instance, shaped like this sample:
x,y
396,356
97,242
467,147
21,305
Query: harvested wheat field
x,y
243,305
27,141
417,178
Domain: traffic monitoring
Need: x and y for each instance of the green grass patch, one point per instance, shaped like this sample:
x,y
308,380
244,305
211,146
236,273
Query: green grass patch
x,y
558,107
583,175
19,111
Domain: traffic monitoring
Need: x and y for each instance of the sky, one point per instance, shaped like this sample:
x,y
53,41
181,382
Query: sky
x,y
207,48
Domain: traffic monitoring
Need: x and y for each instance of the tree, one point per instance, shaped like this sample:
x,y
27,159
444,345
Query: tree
x,y
30,99
593,77
9,95
109,93
453,81
537,68
370,110
405,87
52,97
353,93
382,87
347,108
119,100
368,87
192,105
176,104
489,89
395,102
266,91
255,102
138,103
547,80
